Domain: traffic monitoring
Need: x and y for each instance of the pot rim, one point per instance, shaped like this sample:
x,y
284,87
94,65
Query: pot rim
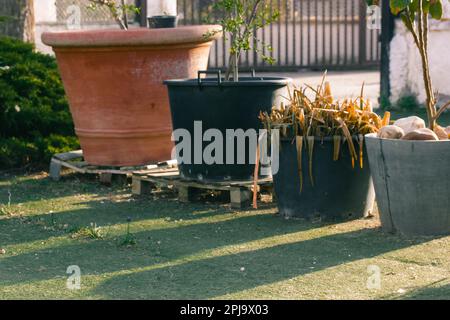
x,y
374,136
132,37
162,17
243,82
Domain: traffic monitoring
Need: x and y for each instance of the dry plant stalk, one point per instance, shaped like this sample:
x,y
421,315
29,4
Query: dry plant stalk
x,y
305,120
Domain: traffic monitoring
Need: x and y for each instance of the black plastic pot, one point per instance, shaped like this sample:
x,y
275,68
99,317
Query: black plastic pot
x,y
159,22
412,185
340,192
222,105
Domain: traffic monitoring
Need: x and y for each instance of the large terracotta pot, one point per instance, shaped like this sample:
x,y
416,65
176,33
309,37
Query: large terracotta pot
x,y
114,83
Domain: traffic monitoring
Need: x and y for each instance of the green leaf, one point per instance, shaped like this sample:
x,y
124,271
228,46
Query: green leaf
x,y
407,22
399,5
373,2
426,6
6,19
414,6
436,9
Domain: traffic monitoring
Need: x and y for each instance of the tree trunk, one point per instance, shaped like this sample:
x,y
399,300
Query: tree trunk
x,y
17,19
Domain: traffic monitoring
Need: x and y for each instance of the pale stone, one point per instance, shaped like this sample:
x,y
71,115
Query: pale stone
x,y
391,132
441,133
410,123
421,134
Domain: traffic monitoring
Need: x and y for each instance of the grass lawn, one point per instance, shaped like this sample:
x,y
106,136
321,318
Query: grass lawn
x,y
204,251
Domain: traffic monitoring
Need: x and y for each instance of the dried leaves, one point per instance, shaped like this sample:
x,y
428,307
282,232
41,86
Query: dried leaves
x,y
306,119
323,116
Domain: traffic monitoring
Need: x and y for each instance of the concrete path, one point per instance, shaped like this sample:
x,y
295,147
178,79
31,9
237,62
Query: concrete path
x,y
343,83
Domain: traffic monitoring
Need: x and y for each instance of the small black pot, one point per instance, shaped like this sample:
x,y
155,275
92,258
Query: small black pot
x,y
159,22
222,105
340,192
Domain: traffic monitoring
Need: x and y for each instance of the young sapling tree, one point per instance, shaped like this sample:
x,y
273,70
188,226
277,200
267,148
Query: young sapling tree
x,y
119,11
241,19
415,16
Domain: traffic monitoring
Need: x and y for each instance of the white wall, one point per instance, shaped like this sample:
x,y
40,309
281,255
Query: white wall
x,y
46,20
160,7
45,17
45,11
406,66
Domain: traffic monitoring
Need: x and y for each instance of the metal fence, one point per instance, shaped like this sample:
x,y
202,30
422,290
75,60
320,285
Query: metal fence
x,y
312,34
309,34
101,15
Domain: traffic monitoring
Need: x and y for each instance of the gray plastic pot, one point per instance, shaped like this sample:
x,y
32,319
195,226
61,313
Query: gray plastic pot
x,y
412,185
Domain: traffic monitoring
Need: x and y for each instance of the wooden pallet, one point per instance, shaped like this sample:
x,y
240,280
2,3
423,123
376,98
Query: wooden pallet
x,y
240,191
74,160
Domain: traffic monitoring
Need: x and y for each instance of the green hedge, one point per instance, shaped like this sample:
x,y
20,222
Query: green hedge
x,y
35,121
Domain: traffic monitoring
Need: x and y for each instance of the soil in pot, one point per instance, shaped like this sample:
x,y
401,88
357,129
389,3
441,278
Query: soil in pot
x,y
222,106
412,185
339,192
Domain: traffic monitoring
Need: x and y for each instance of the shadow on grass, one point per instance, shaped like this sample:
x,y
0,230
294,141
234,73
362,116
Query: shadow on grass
x,y
110,206
38,187
17,230
214,277
154,246
432,292
201,278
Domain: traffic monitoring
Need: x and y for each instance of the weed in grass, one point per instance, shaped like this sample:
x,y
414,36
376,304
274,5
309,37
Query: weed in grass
x,y
5,209
279,259
52,219
51,225
91,232
129,239
158,250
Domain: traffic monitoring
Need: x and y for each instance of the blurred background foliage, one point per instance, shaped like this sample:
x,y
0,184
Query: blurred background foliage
x,y
35,121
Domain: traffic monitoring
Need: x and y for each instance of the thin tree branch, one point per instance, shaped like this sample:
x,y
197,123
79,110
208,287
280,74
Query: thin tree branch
x,y
113,9
420,25
412,29
431,108
425,31
124,14
441,111
239,35
425,43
